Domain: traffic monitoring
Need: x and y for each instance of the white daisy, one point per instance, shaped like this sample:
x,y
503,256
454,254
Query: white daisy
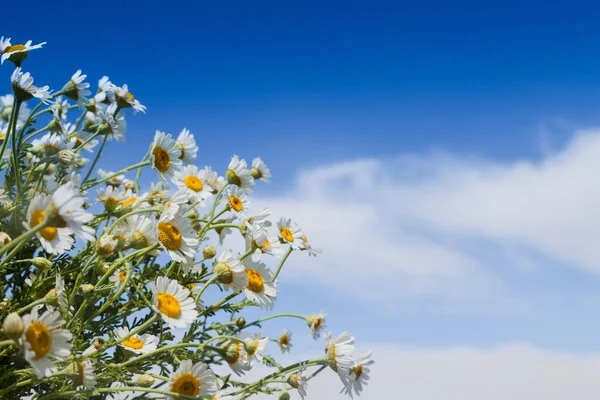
x,y
316,323
231,272
173,302
125,99
86,377
76,89
308,247
193,380
50,144
260,219
16,52
112,197
165,155
80,137
142,232
187,145
358,375
193,181
237,358
111,122
114,181
238,174
285,341
261,288
118,277
339,354
43,340
260,171
237,200
22,84
299,381
255,345
262,242
60,108
290,233
138,344
66,210
54,240
176,237
61,294
158,194
6,105
213,179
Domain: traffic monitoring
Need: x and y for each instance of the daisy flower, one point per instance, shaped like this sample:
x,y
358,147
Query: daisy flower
x,y
358,375
142,232
237,200
194,380
118,277
290,233
260,219
238,174
114,181
308,247
187,145
299,381
193,181
285,341
85,375
125,99
176,237
80,138
255,345
158,194
138,344
22,84
261,288
213,179
231,272
16,52
165,155
173,302
66,210
260,171
111,122
61,295
262,242
60,108
339,353
54,240
316,323
43,340
237,358
51,143
111,196
76,89
6,105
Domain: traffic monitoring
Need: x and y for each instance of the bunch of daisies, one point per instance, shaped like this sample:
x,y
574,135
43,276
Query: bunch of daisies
x,y
113,283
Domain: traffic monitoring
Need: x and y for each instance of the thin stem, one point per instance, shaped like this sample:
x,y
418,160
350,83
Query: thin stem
x,y
30,306
109,177
13,118
95,159
287,254
8,342
70,393
129,214
284,315
23,237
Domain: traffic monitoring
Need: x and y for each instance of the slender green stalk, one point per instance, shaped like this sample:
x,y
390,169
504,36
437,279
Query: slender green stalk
x,y
13,122
30,306
109,177
129,214
87,176
9,342
287,254
20,239
70,393
284,315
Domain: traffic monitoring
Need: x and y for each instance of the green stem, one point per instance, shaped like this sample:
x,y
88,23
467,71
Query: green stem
x,y
69,394
80,277
8,342
284,315
30,306
95,160
129,214
109,177
23,237
287,254
13,118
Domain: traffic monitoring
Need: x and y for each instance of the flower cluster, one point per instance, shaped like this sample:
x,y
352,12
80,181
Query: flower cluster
x,y
112,283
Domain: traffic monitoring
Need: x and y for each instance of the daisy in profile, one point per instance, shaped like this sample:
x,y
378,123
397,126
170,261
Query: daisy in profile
x,y
76,89
158,194
61,295
193,380
111,197
51,144
115,181
165,155
60,108
193,181
125,99
138,344
238,174
224,232
80,138
111,122
339,354
176,237
230,272
262,242
260,219
6,105
187,145
285,341
255,345
260,289
213,179
358,375
43,340
141,231
66,211
316,323
85,376
306,246
173,302
16,53
260,171
53,239
290,233
237,358
22,84
299,381
237,200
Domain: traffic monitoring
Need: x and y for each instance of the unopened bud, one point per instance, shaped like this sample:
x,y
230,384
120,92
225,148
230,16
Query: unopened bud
x,y
98,343
284,396
240,322
102,269
67,157
223,273
4,238
293,380
13,326
106,245
209,252
52,297
41,263
87,288
138,240
129,185
145,380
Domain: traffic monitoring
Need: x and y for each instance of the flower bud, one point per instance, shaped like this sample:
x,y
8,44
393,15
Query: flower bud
x,y
54,125
70,90
102,268
145,380
284,396
41,263
209,252
240,322
13,326
223,273
256,174
86,288
106,245
67,157
233,178
4,303
293,380
138,241
98,343
129,185
4,238
52,297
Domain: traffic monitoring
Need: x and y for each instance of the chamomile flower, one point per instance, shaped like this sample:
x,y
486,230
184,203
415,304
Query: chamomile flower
x,y
61,295
142,232
237,200
125,99
3,130
116,180
255,345
111,123
54,240
43,340
23,88
308,247
173,302
261,288
262,242
138,344
66,210
176,237
260,219
285,341
76,89
299,381
237,358
6,108
81,138
358,375
260,171
230,272
193,181
316,323
83,374
187,145
16,52
158,194
118,277
60,108
193,380
51,144
339,353
165,155
238,174
111,196
213,179
290,233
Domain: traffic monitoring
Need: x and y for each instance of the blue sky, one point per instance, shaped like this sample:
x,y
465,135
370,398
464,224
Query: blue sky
x,y
447,97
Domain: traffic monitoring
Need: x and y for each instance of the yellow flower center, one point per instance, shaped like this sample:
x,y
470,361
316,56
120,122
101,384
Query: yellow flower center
x,y
168,305
110,204
187,384
192,182
122,276
284,340
14,47
169,236
129,201
133,343
265,244
39,338
2,135
37,217
255,281
129,96
236,203
162,160
304,239
287,235
358,370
